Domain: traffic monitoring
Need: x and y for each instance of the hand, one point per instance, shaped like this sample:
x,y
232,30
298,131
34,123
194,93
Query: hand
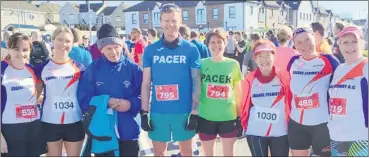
x,y
4,146
239,127
146,125
192,121
123,105
113,103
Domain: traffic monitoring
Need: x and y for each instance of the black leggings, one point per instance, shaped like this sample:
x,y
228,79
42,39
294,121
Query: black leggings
x,y
127,148
259,146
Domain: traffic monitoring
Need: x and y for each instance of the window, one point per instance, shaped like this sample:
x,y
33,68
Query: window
x,y
261,17
300,16
251,10
71,17
232,12
215,13
117,18
185,15
156,18
272,12
310,16
134,21
281,13
200,16
146,18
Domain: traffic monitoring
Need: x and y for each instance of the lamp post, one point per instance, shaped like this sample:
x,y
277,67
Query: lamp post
x,y
208,26
226,27
89,18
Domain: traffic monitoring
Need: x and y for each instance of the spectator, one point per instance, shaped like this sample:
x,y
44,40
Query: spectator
x,y
4,52
231,46
145,38
284,53
322,45
153,35
248,64
85,42
271,37
11,29
338,27
240,47
203,49
140,45
78,54
94,50
41,51
290,44
185,32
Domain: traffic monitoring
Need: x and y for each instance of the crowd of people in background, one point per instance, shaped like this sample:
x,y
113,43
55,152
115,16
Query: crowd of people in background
x,y
290,89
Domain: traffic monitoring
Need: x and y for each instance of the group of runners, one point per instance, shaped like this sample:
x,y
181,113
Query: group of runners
x,y
315,101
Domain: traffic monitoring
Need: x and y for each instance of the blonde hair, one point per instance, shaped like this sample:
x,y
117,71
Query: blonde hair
x,y
61,29
76,35
284,34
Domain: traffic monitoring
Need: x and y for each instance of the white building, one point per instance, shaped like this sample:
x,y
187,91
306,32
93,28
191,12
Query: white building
x,y
241,16
85,16
69,14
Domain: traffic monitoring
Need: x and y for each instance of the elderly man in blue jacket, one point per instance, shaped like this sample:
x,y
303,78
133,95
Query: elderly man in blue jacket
x,y
119,78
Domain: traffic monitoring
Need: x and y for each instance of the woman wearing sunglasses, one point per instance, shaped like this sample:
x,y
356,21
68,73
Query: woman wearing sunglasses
x,y
20,122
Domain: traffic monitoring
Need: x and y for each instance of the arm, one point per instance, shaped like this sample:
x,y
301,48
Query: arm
x,y
196,88
238,95
145,89
86,89
135,100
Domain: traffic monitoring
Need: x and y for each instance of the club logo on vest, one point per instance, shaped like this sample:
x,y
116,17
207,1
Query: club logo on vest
x,y
99,83
127,83
160,49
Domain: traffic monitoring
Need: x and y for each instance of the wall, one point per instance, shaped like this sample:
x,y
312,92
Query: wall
x,y
215,23
234,23
141,20
305,7
128,20
85,16
118,12
251,20
10,16
66,12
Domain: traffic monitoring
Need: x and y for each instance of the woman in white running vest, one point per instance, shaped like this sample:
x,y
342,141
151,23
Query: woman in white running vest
x,y
348,104
61,114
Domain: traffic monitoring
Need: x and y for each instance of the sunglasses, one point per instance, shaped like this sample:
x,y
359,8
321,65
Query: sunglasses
x,y
170,7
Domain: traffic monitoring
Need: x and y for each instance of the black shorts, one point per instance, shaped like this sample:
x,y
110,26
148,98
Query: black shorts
x,y
259,146
127,148
24,139
208,130
73,132
301,137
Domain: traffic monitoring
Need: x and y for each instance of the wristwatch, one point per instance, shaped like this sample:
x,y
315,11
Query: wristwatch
x,y
144,112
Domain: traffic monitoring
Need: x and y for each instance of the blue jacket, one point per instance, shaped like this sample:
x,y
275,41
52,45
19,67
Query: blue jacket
x,y
101,136
80,55
118,80
203,49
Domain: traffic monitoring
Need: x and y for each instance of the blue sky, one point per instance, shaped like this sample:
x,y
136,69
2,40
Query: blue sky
x,y
355,9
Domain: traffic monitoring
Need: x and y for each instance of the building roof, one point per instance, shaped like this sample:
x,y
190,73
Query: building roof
x,y
52,7
294,4
272,4
93,6
21,4
74,6
23,26
141,6
108,10
322,10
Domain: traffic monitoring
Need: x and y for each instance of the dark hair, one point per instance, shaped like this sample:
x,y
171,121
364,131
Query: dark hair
x,y
194,34
14,40
237,33
255,37
170,8
12,29
330,41
185,31
316,26
76,35
290,26
339,26
216,32
152,32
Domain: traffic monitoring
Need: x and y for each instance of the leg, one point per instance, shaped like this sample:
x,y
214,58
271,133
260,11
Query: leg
x,y
186,147
279,146
108,154
207,134
15,136
320,140
228,146
160,148
54,148
339,148
128,148
299,139
161,133
258,146
182,135
73,137
228,134
358,149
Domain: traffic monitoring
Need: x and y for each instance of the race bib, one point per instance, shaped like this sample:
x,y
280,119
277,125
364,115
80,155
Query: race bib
x,y
167,92
63,104
26,111
310,101
337,106
267,115
217,91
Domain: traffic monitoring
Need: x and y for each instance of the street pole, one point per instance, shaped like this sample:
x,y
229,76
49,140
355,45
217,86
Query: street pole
x,y
18,16
89,19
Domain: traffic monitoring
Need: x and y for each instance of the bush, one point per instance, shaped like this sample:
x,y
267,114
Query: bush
x,y
365,53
